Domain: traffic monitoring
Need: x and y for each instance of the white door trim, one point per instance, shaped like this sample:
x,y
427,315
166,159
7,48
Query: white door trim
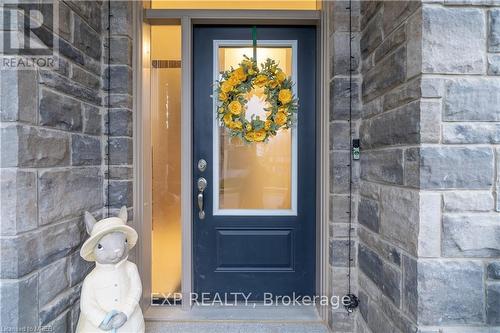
x,y
142,142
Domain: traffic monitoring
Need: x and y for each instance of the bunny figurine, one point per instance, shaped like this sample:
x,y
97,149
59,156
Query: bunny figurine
x,y
111,292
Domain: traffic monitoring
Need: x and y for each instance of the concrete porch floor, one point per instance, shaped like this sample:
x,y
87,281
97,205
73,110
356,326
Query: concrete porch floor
x,y
235,319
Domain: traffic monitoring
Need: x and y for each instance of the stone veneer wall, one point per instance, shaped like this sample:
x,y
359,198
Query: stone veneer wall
x,y
459,163
340,154
53,162
429,227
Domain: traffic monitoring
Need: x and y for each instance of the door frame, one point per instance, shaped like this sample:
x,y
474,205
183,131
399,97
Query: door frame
x,y
143,19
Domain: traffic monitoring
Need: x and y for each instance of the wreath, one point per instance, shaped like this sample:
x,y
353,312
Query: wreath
x,y
234,91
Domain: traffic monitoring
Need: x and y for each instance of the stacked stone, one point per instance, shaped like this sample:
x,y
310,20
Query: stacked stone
x,y
117,98
429,227
460,168
340,154
390,129
53,165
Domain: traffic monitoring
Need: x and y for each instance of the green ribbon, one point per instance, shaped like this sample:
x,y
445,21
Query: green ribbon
x,y
254,42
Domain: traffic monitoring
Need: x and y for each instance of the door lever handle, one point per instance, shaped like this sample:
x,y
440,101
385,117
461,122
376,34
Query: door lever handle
x,y
202,185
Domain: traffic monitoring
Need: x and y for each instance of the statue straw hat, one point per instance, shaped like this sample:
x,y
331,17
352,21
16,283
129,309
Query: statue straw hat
x,y
106,226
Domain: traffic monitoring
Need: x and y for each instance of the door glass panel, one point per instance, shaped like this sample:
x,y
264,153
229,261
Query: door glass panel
x,y
256,178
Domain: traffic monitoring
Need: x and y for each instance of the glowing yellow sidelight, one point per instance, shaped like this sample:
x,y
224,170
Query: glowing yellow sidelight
x,y
231,4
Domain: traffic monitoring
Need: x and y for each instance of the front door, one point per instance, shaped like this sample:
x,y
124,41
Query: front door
x,y
256,234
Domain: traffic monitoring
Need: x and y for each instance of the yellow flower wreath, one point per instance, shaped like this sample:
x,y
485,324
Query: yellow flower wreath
x,y
231,93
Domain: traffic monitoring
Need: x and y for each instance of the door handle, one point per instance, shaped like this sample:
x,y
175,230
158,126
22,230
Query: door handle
x,y
202,185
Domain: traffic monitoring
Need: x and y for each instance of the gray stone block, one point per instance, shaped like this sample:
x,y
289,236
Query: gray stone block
x,y
63,302
52,280
15,86
460,167
339,172
64,21
340,17
387,278
89,10
368,213
64,85
493,270
27,252
61,324
121,80
387,251
77,56
410,287
121,172
494,30
390,43
368,10
92,120
341,60
18,211
372,108
27,146
121,50
382,166
402,95
442,51
85,150
414,44
120,193
401,323
118,101
432,87
86,39
468,201
120,151
472,99
399,217
120,121
430,121
339,99
340,138
88,79
371,37
78,268
397,127
387,74
396,12
378,322
471,235
493,64
471,133
493,304
121,20
450,292
59,111
339,208
79,190
429,236
18,303
339,253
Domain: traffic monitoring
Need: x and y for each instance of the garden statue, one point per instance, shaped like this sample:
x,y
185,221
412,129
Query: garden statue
x,y
111,291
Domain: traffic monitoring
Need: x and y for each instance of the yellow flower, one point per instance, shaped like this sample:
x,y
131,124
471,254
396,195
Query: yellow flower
x,y
222,96
280,76
236,125
226,87
239,74
233,80
250,136
259,135
227,119
251,71
280,118
234,107
267,124
221,110
248,127
285,96
273,84
260,80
